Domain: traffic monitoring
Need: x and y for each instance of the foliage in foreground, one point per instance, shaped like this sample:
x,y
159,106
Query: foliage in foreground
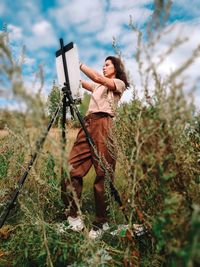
x,y
161,166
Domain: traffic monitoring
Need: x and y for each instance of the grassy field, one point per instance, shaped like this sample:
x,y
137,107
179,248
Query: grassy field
x,y
52,146
47,200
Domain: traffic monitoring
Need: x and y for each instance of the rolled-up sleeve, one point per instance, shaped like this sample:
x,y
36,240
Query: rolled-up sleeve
x,y
120,86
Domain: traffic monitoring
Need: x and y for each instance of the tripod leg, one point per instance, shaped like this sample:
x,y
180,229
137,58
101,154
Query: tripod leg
x,y
63,141
39,144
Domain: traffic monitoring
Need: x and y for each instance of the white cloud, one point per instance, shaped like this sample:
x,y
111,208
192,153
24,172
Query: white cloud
x,y
2,8
128,4
79,12
183,52
28,61
91,17
171,62
85,16
15,32
115,22
43,36
41,28
113,26
33,85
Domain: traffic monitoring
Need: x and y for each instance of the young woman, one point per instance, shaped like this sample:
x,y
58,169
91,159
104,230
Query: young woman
x,y
106,90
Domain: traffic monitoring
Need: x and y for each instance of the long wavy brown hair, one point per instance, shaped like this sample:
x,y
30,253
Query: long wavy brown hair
x,y
120,69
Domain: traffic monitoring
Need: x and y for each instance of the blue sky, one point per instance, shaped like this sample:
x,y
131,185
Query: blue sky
x,y
92,24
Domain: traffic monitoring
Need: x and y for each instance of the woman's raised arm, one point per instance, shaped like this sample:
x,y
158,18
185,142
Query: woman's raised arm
x,y
97,77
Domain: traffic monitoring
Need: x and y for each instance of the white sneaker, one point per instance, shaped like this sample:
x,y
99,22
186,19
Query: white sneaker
x,y
139,229
97,231
75,224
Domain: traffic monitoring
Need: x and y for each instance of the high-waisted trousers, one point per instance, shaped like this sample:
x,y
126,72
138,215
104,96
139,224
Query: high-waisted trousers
x,y
102,156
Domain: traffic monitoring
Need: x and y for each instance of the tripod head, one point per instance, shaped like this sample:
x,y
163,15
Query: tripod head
x,y
68,99
68,93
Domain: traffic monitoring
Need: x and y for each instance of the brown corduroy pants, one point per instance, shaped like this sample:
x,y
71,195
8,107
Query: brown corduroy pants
x,y
82,157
